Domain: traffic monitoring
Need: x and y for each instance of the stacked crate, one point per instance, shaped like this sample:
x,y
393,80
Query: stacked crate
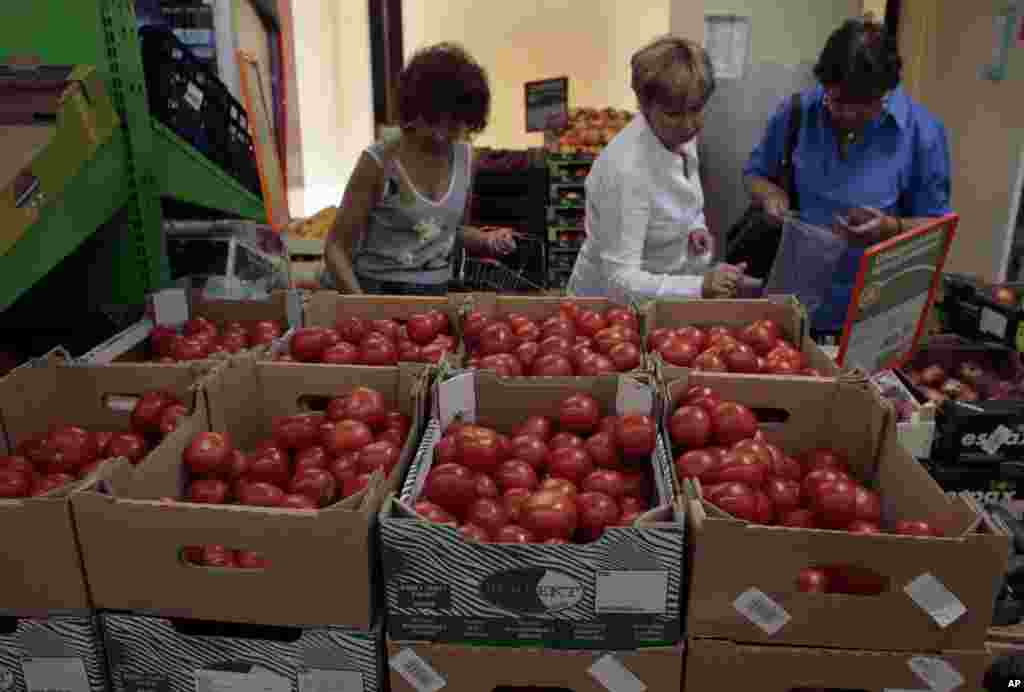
x,y
566,213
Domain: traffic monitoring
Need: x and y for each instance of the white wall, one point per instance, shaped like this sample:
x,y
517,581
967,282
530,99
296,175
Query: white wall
x,y
332,55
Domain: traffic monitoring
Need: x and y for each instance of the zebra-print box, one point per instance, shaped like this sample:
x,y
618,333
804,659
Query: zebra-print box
x,y
51,654
621,592
152,654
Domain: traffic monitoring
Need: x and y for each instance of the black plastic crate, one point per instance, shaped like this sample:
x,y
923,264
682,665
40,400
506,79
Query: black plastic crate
x,y
994,483
971,311
983,432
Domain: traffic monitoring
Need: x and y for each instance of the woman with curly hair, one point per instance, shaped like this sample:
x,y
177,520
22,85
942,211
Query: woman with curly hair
x,y
404,205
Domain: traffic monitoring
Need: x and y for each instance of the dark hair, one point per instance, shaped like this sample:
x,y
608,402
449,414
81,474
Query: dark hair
x,y
444,80
862,58
669,65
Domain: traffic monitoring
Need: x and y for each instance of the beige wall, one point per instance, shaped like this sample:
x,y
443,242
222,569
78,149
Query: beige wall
x,y
589,40
946,48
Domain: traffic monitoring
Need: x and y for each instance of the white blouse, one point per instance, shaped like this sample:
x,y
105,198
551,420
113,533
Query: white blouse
x,y
643,202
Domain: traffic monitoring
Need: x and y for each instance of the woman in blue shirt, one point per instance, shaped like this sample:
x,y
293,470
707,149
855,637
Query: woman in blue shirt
x,y
870,163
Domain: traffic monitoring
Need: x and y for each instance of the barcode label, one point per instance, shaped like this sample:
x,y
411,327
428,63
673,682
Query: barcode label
x,y
993,323
417,672
939,675
331,681
935,599
614,676
756,606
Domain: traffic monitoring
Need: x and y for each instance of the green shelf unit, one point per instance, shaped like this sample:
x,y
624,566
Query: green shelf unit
x,y
183,173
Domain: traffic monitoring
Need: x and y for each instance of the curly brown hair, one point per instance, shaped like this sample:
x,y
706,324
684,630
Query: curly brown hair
x,y
442,81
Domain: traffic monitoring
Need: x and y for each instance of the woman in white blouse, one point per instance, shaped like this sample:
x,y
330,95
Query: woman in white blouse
x,y
646,233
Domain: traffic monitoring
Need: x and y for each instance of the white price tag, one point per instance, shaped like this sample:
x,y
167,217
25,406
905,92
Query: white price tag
x,y
331,681
457,397
936,600
55,675
756,606
224,681
417,672
631,592
293,308
614,676
170,307
939,675
993,322
633,397
194,95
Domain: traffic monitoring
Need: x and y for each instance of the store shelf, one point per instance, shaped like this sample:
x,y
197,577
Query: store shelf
x,y
90,199
183,173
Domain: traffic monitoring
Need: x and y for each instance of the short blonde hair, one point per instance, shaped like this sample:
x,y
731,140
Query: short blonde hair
x,y
669,69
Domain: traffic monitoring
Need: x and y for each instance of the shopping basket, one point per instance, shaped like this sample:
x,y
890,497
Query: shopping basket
x,y
520,272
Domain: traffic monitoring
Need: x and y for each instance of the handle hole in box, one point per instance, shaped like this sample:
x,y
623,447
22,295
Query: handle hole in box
x,y
845,579
120,403
216,557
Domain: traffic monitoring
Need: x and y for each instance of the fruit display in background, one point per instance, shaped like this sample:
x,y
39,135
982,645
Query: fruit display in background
x,y
757,348
308,461
550,481
588,130
67,453
423,338
575,341
200,338
967,381
718,443
1004,295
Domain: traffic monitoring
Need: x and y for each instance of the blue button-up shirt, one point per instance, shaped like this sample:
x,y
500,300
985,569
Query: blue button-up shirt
x,y
900,164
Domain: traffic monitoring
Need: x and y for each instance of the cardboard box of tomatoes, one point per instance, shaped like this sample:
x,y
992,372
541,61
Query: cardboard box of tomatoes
x,y
50,653
419,666
542,516
177,655
184,326
719,664
812,525
764,337
343,329
59,422
550,336
262,509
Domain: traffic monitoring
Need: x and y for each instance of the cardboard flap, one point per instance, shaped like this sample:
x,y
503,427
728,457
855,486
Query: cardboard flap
x,y
275,308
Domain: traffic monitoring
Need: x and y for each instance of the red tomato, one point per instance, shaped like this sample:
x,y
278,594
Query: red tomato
x,y
812,580
351,329
208,453
486,487
264,332
732,422
497,337
690,427
595,365
499,364
17,463
170,418
294,501
636,435
659,337
741,506
487,513
810,483
218,556
296,432
572,463
199,325
308,344
742,467
621,316
377,351
474,533
916,528
131,446
568,309
347,436
679,352
259,494
381,455
433,352
800,519
361,404
14,483
698,463
422,328
446,450
528,331
705,397
558,345
759,337
625,356
246,559
604,450
579,413
540,426
784,494
431,512
861,526
629,504
394,436
512,501
868,505
530,449
718,490
787,468
694,335
476,321
514,534
237,466
146,413
161,339
314,457
387,327
558,326
344,468
564,439
341,353
549,514
516,473
551,365
440,319
836,503
208,491
477,447
580,354
451,486
358,484
268,467
590,322
233,342
742,360
560,485
45,484
825,459
606,481
527,353
317,484
596,511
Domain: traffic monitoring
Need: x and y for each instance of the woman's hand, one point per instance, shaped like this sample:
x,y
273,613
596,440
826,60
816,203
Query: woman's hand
x,y
721,282
500,242
776,206
700,243
864,226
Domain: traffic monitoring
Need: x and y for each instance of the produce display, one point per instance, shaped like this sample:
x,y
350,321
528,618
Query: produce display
x,y
309,461
588,130
67,452
575,341
551,481
200,339
758,348
423,338
501,160
968,382
718,443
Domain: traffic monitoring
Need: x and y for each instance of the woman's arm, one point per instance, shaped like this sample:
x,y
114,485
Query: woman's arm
x,y
472,237
361,194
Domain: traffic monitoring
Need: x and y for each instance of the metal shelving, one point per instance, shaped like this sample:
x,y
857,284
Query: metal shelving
x,y
143,161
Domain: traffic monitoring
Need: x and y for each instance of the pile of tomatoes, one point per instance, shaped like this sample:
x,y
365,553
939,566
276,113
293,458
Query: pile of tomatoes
x,y
66,453
575,342
200,338
549,482
423,338
719,443
310,460
758,348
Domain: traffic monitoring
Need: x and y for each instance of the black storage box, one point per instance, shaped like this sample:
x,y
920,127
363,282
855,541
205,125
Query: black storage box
x,y
971,311
987,483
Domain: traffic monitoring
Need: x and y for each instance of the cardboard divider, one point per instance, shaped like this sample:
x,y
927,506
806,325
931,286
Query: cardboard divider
x,y
40,564
714,665
851,418
322,559
490,669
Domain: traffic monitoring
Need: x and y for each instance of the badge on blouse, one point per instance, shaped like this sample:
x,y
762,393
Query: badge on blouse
x,y
427,229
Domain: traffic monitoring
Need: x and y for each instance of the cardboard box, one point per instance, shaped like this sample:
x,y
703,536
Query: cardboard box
x,y
420,666
917,432
713,665
52,653
53,118
320,561
152,653
41,568
622,591
744,574
786,311
175,306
